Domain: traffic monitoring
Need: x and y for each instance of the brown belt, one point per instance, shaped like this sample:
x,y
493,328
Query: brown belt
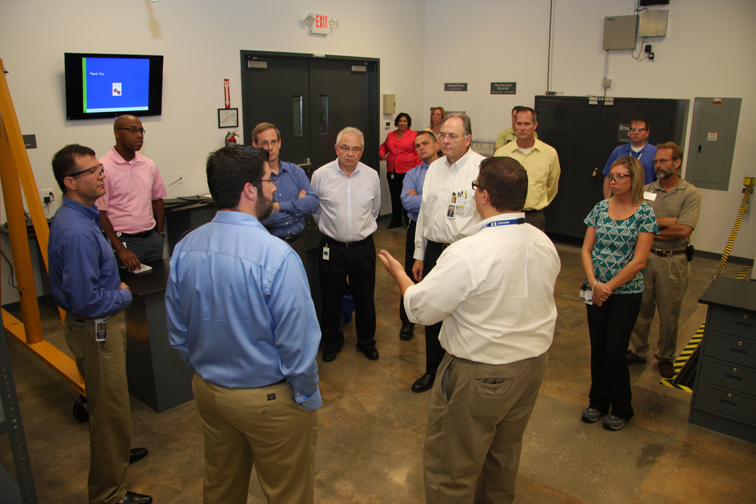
x,y
667,253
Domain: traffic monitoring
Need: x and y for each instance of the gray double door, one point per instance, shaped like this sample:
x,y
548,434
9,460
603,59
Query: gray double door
x,y
310,99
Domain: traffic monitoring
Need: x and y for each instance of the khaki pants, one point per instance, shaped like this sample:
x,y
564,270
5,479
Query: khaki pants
x,y
103,366
664,284
478,413
264,426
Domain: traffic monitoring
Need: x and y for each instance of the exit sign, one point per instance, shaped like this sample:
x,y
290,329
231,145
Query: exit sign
x,y
320,25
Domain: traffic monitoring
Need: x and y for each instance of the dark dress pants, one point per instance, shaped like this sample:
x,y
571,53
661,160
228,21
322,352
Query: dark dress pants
x,y
433,350
395,188
610,326
356,262
409,261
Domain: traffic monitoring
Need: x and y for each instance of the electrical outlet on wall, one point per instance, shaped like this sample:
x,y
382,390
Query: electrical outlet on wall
x,y
47,196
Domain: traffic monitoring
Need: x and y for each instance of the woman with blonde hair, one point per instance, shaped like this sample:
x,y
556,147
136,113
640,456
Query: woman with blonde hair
x,y
436,118
615,250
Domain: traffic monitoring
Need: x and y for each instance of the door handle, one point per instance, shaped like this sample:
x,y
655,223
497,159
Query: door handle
x,y
699,149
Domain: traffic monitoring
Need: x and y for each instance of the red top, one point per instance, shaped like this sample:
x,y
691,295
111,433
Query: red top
x,y
400,153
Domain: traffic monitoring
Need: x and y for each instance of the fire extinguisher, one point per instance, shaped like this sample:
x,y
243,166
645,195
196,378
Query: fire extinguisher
x,y
231,138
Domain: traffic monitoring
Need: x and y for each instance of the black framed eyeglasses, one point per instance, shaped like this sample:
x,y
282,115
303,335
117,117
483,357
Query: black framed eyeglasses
x,y
272,180
477,186
89,171
134,130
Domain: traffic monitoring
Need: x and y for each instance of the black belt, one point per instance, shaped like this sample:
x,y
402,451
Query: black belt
x,y
442,245
290,239
331,241
143,234
667,253
533,211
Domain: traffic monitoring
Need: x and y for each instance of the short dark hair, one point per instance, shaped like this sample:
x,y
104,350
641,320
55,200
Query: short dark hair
x,y
409,119
648,125
229,169
506,182
264,126
677,152
528,109
64,162
427,132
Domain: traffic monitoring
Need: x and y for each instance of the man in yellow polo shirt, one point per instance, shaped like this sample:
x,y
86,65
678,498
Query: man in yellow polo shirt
x,y
540,161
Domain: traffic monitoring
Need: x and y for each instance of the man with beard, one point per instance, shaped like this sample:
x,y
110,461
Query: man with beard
x,y
240,314
131,210
676,204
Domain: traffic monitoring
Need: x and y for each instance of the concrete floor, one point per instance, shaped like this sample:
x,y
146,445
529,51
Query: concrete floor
x,y
372,426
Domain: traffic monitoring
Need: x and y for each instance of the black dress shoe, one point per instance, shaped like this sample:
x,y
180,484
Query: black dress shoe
x,y
423,383
135,498
137,454
369,350
392,226
330,353
407,332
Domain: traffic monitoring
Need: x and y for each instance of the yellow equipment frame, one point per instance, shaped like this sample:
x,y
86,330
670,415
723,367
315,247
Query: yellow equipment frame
x,y
15,168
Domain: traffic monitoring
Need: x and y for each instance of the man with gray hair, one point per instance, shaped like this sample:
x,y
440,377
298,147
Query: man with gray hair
x,y
447,213
350,198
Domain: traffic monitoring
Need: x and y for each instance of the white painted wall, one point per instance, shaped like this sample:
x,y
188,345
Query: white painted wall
x,y
709,51
201,41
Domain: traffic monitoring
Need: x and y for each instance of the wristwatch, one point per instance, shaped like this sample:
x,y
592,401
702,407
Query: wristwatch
x,y
161,233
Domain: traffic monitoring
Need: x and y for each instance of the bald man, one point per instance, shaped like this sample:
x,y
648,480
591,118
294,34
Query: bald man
x,y
131,211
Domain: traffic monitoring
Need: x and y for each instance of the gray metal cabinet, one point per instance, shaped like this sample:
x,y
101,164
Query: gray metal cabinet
x,y
724,396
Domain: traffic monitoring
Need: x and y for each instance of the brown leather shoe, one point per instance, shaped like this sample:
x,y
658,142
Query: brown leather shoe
x,y
632,358
666,369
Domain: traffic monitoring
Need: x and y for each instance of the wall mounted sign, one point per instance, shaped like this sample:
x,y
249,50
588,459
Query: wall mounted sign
x,y
503,88
455,86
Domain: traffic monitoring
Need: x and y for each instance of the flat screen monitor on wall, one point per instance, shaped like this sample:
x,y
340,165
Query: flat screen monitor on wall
x,y
106,85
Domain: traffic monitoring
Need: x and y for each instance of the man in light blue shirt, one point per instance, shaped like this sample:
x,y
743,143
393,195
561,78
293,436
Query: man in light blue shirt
x,y
294,198
426,146
639,148
240,314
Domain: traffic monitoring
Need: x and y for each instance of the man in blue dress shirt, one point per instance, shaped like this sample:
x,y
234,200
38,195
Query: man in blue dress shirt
x,y
294,198
426,146
240,314
84,281
639,148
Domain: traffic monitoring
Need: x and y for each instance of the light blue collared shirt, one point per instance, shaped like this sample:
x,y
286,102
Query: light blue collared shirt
x,y
414,180
239,310
290,220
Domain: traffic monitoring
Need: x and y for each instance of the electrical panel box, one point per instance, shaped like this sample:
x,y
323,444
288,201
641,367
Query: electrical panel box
x,y
712,142
653,23
389,104
620,32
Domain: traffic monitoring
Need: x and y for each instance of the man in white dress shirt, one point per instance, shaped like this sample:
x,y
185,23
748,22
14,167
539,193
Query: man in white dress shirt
x,y
494,292
447,213
350,198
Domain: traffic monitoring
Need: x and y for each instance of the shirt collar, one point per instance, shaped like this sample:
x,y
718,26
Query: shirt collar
x,y
460,160
237,218
89,213
119,159
482,224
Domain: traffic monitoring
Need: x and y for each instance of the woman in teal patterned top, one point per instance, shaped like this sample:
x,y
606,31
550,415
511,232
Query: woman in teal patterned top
x,y
615,250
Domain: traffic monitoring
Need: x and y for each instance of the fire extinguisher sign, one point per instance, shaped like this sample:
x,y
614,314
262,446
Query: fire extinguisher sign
x,y
227,93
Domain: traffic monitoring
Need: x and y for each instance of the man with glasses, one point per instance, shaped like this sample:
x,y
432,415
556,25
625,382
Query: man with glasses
x,y
294,198
447,214
250,334
131,211
677,205
84,281
639,148
494,292
350,199
539,160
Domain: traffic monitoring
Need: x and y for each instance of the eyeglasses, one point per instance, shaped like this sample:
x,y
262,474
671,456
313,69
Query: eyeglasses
x,y
477,186
353,150
134,130
638,130
89,171
619,177
272,180
451,136
662,161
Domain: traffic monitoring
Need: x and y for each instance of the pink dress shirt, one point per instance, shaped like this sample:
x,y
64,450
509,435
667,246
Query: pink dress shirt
x,y
130,191
400,153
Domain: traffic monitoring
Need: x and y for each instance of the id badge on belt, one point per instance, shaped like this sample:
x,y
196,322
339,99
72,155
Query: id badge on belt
x,y
101,329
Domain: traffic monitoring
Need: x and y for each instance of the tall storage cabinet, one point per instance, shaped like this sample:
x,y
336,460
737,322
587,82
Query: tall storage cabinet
x,y
724,396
